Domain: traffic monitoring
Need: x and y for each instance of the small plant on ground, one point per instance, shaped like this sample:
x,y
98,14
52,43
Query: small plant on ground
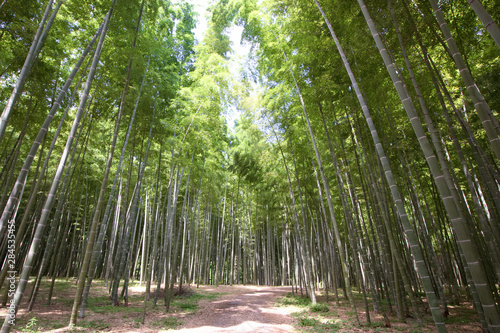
x,y
62,285
136,322
167,323
212,296
31,326
189,301
186,306
308,322
374,324
319,307
295,300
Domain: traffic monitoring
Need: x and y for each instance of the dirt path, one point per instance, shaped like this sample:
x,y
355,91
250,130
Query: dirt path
x,y
216,309
240,309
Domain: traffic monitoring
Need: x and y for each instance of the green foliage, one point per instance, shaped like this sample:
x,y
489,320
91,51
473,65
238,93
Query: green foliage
x,y
189,302
102,304
167,323
295,300
312,324
319,307
31,326
99,324
246,168
308,322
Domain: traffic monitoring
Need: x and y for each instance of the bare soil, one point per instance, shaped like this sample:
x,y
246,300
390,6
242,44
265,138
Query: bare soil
x,y
217,309
241,309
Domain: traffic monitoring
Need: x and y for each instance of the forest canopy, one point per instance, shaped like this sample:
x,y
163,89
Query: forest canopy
x,y
365,154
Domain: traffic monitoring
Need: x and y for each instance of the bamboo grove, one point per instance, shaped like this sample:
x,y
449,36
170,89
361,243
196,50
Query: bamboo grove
x,y
365,158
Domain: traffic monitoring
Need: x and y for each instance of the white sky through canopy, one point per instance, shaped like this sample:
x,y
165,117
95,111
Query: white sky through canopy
x,y
240,51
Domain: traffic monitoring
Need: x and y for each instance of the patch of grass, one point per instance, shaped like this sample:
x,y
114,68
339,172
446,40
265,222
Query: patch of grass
x,y
168,323
135,298
213,296
136,322
299,314
347,323
350,313
417,330
93,324
357,296
112,309
99,300
31,326
198,296
311,324
57,325
374,324
47,324
462,317
331,326
62,284
188,306
62,300
295,300
319,307
308,322
102,304
189,302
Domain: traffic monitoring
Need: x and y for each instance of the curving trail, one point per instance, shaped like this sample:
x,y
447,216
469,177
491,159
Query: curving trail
x,y
240,309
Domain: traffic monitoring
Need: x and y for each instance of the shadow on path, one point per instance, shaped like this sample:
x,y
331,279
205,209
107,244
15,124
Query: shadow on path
x,y
243,309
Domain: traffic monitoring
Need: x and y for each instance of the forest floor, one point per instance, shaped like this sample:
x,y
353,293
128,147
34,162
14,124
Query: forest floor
x,y
217,309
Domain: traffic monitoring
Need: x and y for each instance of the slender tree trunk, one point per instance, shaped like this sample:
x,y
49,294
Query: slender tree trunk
x,y
21,179
304,253
422,268
481,106
459,226
90,258
56,220
488,22
50,199
123,255
36,47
